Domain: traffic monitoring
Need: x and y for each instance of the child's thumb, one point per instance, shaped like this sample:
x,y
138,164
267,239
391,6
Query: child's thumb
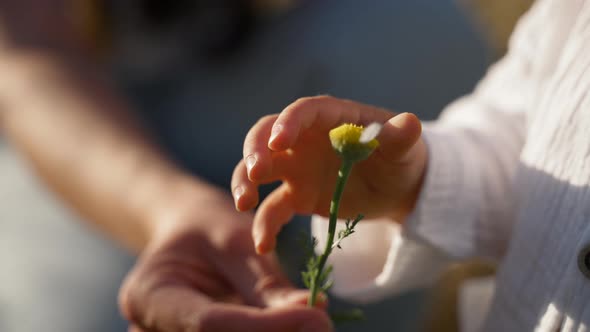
x,y
398,136
275,211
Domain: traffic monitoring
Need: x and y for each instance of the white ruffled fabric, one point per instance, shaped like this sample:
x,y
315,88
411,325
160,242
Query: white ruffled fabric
x,y
377,261
507,179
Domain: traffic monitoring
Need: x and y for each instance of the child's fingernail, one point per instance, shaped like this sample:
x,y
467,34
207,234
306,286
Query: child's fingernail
x,y
398,120
276,129
238,192
250,162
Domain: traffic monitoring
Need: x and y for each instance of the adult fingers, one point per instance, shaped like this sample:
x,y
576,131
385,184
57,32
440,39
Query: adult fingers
x,y
232,318
174,308
171,307
259,279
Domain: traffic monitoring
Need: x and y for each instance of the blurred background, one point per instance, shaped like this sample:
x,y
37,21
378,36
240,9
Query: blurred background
x,y
206,70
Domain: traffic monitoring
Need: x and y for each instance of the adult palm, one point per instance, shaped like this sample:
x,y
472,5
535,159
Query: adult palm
x,y
205,276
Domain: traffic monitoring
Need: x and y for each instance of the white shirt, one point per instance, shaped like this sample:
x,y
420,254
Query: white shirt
x,y
508,178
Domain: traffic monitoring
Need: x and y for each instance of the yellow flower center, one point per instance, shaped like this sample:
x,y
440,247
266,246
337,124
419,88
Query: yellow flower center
x,y
346,141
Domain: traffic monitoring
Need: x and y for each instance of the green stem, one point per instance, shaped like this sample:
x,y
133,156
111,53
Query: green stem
x,y
343,173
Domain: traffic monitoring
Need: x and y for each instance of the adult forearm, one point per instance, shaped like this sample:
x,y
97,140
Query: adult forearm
x,y
86,145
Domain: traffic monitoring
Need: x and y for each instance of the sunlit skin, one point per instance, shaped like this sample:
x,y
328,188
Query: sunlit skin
x,y
198,270
293,147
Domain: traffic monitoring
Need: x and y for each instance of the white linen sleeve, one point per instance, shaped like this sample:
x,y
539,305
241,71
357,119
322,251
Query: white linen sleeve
x,y
378,261
466,206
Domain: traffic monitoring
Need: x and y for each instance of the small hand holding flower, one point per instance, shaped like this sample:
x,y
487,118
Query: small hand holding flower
x,y
294,147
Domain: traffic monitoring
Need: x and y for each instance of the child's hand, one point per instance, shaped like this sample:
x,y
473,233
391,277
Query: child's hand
x,y
294,147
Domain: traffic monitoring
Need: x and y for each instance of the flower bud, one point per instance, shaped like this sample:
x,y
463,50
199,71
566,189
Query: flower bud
x,y
346,140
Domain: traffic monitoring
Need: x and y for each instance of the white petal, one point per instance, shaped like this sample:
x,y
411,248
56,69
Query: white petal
x,y
370,132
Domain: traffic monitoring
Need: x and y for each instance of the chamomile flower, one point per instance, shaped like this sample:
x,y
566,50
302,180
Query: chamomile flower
x,y
353,142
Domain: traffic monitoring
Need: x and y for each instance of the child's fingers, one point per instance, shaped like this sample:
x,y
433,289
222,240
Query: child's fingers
x,y
398,136
322,112
257,156
275,211
244,191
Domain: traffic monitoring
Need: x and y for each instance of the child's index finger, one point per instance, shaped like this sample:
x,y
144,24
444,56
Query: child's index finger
x,y
320,112
244,192
277,142
257,156
284,134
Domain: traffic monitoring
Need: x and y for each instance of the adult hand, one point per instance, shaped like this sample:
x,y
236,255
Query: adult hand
x,y
203,275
